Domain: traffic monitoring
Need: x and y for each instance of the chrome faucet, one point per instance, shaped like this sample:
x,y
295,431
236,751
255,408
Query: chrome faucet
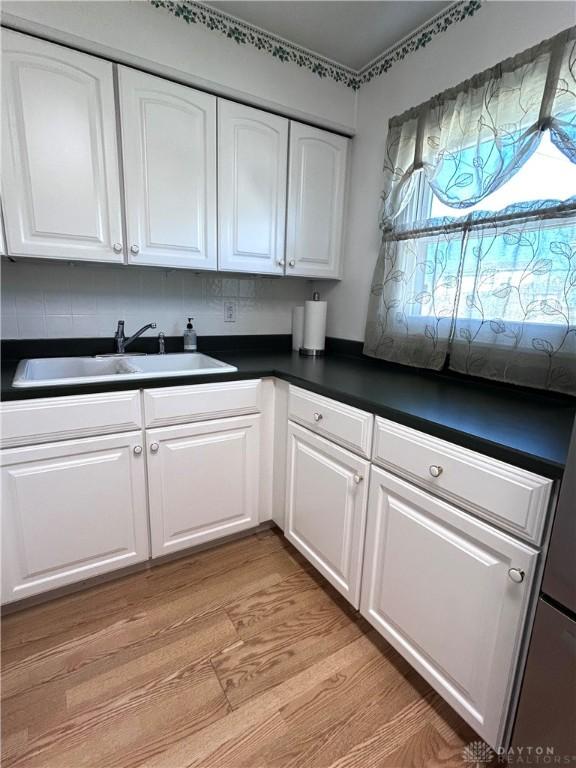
x,y
120,339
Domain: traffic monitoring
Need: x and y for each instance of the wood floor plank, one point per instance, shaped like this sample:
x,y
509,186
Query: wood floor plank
x,y
255,613
427,748
345,709
282,650
124,730
240,721
49,625
235,657
159,615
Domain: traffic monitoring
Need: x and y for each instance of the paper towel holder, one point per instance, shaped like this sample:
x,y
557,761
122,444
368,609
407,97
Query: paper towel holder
x,y
312,352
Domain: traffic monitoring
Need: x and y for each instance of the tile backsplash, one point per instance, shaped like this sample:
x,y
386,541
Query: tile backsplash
x,y
52,300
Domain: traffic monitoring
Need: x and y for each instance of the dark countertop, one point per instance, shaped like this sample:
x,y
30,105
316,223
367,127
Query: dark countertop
x,y
529,430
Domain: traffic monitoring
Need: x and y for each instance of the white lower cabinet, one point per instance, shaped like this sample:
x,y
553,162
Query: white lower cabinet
x,y
71,510
450,593
203,481
327,492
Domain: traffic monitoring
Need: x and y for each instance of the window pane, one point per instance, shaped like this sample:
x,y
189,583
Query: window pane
x,y
520,274
547,175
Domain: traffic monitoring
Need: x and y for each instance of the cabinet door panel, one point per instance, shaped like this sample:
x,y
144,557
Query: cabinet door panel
x,y
317,179
71,510
169,148
203,481
252,159
436,585
326,508
61,184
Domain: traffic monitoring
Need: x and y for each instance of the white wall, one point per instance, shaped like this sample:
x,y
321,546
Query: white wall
x,y
497,31
62,300
136,33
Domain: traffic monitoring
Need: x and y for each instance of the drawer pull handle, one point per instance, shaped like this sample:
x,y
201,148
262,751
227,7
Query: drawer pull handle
x,y
318,417
516,575
154,447
291,263
280,262
358,479
134,249
435,470
137,450
117,247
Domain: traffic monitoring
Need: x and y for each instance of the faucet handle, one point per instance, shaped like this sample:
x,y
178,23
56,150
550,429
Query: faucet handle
x,y
152,325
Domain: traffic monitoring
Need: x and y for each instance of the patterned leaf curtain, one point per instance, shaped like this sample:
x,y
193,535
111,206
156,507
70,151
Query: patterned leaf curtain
x,y
494,290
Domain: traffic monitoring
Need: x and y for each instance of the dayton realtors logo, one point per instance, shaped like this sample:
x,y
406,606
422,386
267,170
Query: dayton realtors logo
x,y
479,755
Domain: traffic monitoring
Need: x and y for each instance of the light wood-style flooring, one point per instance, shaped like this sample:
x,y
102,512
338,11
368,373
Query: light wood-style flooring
x,y
239,656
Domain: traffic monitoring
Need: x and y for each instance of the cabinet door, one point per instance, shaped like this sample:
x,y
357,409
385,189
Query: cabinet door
x,y
71,510
252,162
61,185
169,151
439,586
316,185
327,491
203,481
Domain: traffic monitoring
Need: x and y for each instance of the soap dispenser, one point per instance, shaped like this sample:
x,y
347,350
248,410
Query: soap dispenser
x,y
190,337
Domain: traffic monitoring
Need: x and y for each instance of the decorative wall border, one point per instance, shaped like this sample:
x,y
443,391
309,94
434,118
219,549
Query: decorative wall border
x,y
243,33
420,38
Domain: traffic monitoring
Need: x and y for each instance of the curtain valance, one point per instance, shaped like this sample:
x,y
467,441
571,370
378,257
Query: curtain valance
x,y
471,139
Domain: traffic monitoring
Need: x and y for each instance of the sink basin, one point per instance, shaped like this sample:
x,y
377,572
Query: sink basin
x,y
60,371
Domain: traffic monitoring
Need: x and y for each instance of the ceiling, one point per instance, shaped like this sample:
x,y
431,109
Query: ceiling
x,y
350,32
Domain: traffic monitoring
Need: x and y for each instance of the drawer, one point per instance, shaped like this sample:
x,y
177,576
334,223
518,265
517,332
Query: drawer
x,y
341,423
177,405
48,419
511,498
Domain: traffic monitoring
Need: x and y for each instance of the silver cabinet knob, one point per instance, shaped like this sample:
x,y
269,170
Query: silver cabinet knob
x,y
281,262
154,447
291,263
516,575
117,247
318,417
134,249
358,479
137,450
435,470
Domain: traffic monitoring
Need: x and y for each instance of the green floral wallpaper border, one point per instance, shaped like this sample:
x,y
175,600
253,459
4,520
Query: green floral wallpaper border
x,y
419,39
245,34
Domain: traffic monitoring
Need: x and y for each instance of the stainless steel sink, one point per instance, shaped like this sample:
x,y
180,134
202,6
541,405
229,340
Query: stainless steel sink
x,y
60,371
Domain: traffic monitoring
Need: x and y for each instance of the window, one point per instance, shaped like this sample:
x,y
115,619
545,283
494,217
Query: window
x,y
477,265
504,289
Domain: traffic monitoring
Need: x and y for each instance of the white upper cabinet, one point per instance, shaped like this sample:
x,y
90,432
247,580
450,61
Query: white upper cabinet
x,y
169,152
252,166
450,593
316,187
61,187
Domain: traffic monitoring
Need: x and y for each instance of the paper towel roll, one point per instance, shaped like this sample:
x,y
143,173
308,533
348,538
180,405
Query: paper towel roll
x,y
297,327
314,325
